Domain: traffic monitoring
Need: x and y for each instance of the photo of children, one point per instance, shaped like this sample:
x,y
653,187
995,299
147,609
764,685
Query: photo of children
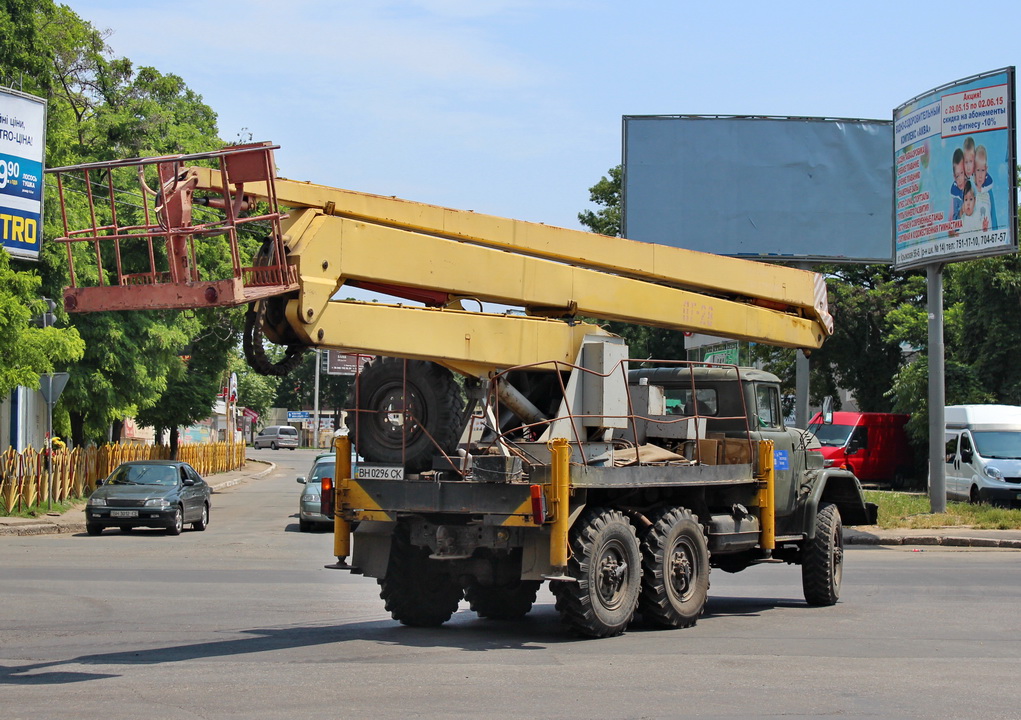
x,y
971,220
970,164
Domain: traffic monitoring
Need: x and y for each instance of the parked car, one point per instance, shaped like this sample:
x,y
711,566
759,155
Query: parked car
x,y
983,453
149,493
276,437
309,514
874,446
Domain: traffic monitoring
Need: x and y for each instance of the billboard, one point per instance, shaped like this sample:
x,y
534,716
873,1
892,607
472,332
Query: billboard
x,y
954,168
22,146
779,188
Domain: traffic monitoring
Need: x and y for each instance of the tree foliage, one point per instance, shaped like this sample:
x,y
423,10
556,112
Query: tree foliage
x,y
297,390
29,351
99,107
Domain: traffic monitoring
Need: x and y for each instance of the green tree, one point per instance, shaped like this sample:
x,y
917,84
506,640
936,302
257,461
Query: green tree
x,y
193,384
297,390
607,194
101,107
29,351
255,391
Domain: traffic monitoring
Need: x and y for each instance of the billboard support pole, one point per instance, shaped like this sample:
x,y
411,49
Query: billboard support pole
x,y
937,391
802,372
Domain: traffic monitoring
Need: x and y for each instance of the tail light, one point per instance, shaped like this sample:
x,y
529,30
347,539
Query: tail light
x,y
326,497
538,505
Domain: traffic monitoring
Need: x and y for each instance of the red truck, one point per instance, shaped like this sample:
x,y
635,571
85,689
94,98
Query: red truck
x,y
873,446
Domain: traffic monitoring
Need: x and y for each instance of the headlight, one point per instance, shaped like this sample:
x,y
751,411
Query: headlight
x,y
312,498
829,462
993,473
157,502
97,502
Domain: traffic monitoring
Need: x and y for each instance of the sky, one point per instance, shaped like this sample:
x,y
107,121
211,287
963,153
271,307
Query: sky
x,y
514,107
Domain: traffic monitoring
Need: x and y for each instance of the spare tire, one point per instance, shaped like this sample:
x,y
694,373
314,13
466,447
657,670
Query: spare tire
x,y
406,412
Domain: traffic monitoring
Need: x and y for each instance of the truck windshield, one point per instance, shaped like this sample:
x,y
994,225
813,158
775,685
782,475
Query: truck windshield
x,y
831,435
998,444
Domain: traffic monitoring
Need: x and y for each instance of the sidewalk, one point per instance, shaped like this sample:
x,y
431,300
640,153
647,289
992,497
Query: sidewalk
x,y
73,521
946,537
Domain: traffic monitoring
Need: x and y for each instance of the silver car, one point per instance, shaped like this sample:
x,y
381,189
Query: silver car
x,y
276,437
309,515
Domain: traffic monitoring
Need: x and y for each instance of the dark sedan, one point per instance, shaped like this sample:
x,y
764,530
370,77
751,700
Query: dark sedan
x,y
149,493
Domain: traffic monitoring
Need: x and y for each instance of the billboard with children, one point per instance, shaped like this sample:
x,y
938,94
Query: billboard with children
x,y
954,172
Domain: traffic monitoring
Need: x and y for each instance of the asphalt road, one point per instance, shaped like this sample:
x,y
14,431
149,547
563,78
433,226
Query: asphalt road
x,y
242,621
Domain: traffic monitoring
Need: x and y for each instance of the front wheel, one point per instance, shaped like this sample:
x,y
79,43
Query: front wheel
x,y
203,522
177,522
93,529
675,570
606,561
822,563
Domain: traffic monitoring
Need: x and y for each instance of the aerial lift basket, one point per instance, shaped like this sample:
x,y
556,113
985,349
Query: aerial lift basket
x,y
140,248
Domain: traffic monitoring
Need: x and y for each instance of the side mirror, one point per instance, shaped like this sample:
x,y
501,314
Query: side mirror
x,y
827,410
966,456
301,479
100,481
187,481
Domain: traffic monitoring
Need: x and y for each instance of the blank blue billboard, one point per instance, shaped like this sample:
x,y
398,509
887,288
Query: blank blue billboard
x,y
812,189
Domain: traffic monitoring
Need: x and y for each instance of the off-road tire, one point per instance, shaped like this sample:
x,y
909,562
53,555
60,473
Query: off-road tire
x,y
606,561
416,591
675,569
502,602
822,560
407,412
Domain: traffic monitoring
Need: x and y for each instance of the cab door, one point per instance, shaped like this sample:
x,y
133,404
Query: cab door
x,y
953,463
969,468
787,463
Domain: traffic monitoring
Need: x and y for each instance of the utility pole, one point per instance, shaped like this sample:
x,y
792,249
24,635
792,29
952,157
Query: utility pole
x,y
315,411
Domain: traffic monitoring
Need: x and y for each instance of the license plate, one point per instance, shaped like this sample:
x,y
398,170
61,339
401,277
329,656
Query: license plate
x,y
379,472
124,513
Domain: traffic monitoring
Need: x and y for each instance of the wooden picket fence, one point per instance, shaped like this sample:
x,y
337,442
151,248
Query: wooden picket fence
x,y
24,481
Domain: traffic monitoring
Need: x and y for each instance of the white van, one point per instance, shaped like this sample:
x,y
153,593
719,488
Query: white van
x,y
983,453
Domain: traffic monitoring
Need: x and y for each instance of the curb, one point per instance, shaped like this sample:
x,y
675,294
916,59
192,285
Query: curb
x,y
933,540
237,481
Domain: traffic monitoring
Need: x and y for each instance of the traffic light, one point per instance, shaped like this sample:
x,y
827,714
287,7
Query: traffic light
x,y
47,318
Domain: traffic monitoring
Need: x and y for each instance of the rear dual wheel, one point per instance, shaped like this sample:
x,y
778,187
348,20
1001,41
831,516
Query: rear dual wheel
x,y
502,602
606,561
416,590
675,569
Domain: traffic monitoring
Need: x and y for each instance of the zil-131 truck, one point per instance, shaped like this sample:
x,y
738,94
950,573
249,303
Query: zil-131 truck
x,y
496,450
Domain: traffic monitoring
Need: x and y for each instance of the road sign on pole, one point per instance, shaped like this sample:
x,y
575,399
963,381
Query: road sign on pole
x,y
51,385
